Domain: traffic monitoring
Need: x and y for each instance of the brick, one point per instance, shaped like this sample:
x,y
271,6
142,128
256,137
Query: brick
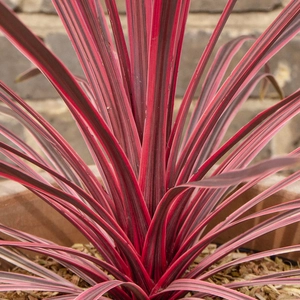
x,y
287,140
199,28
31,6
13,4
12,63
241,5
288,133
42,24
196,5
39,87
194,43
67,127
47,7
285,2
60,44
247,112
284,65
121,4
56,112
15,127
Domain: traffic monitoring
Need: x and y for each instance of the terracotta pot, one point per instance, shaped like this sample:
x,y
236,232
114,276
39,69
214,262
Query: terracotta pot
x,y
22,210
285,236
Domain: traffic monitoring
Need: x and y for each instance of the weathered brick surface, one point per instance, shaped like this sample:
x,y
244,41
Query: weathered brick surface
x,y
241,5
30,6
58,115
247,112
14,126
13,4
12,64
47,7
285,65
60,44
292,133
287,140
196,5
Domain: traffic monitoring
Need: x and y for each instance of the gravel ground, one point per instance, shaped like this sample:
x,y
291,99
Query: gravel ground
x,y
244,271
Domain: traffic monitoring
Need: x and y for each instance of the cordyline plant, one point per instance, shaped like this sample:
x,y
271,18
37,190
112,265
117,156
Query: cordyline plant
x,y
158,190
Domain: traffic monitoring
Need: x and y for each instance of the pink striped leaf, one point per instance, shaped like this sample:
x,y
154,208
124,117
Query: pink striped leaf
x,y
204,287
82,109
100,289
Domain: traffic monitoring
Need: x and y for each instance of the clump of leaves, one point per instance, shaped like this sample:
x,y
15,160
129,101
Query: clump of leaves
x,y
148,218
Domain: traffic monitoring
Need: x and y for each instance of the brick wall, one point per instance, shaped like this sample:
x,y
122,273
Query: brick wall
x,y
250,17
